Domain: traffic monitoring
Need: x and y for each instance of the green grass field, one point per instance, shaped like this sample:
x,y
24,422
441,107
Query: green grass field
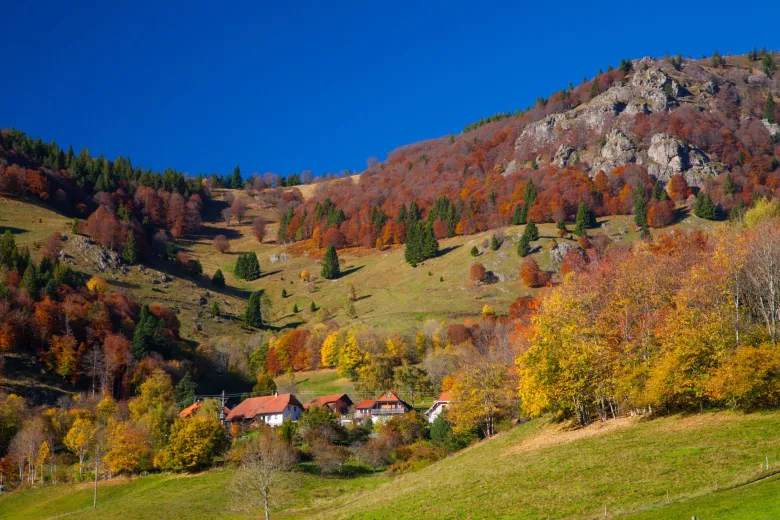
x,y
535,471
166,496
538,471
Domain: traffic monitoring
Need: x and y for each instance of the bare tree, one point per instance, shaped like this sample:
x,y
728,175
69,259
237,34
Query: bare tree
x,y
307,176
221,243
257,481
762,274
259,228
239,208
227,215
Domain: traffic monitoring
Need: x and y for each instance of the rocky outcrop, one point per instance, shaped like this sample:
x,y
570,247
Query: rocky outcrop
x,y
773,129
617,151
559,250
669,155
92,254
647,90
565,156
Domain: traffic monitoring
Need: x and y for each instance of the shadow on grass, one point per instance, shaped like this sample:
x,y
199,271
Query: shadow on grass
x,y
351,270
14,230
364,297
447,250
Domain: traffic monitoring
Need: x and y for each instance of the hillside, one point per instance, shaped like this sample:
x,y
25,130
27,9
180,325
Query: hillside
x,y
536,470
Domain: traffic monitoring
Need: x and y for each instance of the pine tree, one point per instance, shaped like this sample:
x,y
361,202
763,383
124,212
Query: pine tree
x,y
247,267
523,247
313,307
130,251
657,191
769,108
284,293
30,280
330,264
253,317
494,243
218,280
215,308
531,232
7,248
728,185
185,391
581,222
474,251
144,334
237,182
705,208
240,268
640,207
594,87
295,308
517,217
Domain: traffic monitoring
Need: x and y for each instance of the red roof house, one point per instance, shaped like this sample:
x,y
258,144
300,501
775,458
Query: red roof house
x,y
268,409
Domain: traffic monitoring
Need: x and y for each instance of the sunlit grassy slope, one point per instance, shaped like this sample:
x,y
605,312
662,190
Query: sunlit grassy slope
x,y
535,471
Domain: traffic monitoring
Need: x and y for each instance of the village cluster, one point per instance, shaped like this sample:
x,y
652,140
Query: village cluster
x,y
273,410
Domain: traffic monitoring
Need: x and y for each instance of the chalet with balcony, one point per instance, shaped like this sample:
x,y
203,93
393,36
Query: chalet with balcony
x,y
268,409
385,406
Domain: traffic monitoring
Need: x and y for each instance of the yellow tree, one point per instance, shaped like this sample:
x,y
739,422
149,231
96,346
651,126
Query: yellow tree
x,y
351,357
79,438
482,395
44,453
153,408
129,449
329,352
696,335
192,444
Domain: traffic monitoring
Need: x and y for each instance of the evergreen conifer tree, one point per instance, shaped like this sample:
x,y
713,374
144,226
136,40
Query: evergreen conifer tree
x,y
130,251
237,182
728,185
474,251
185,391
30,280
531,232
523,247
218,280
705,208
517,217
252,315
769,108
494,243
330,264
640,207
581,222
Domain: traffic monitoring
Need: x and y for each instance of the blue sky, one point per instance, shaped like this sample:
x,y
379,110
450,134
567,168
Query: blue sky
x,y
288,86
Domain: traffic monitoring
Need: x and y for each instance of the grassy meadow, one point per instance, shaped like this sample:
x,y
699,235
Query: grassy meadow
x,y
536,470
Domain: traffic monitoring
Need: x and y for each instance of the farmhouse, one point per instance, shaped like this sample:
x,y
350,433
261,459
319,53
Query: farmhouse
x,y
338,403
267,409
439,405
191,409
384,406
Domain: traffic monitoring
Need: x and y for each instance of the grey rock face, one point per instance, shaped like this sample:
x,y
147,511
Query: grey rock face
x,y
564,156
669,155
617,151
560,249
